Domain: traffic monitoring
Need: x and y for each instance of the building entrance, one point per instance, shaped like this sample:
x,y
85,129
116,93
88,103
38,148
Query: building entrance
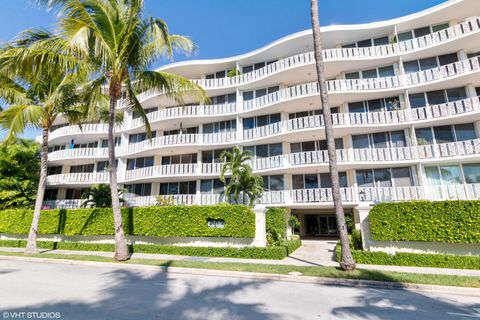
x,y
321,225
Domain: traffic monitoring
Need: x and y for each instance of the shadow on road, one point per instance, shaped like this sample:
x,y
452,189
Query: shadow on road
x,y
133,294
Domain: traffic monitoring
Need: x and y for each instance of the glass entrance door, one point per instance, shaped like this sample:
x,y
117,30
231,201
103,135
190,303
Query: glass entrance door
x,y
317,225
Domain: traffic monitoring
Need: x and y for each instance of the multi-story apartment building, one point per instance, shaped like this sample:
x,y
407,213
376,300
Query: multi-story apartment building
x,y
406,112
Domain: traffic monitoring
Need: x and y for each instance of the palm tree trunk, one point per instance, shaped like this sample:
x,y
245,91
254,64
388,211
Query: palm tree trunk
x,y
347,263
121,249
32,235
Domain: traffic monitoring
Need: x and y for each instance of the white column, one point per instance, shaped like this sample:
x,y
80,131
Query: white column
x,y
362,222
260,239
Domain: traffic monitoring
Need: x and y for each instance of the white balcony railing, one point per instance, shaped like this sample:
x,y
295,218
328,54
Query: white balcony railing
x,y
78,153
317,196
162,171
81,177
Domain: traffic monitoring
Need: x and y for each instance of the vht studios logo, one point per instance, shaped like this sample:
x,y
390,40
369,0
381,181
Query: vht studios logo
x,y
31,315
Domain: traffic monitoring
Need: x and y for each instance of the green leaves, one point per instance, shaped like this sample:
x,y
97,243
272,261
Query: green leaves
x,y
440,221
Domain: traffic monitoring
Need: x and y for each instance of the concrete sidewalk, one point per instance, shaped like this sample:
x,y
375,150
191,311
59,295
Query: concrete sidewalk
x,y
290,261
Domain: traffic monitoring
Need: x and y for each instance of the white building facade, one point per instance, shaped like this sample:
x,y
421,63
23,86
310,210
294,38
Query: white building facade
x,y
404,94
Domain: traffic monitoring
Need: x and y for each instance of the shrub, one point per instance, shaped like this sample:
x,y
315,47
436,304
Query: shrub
x,y
356,240
278,252
439,221
276,226
413,259
167,221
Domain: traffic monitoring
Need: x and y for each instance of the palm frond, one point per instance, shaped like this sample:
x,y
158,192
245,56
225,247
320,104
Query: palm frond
x,y
17,118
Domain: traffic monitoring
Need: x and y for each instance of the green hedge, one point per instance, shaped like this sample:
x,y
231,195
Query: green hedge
x,y
439,221
159,221
413,259
278,252
276,223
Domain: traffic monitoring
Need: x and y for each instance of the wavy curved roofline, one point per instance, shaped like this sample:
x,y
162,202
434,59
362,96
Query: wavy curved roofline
x,y
330,28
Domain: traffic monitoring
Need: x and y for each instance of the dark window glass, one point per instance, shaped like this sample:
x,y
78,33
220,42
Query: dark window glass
x,y
369,74
465,132
262,151
274,118
206,186
273,89
364,43
295,147
360,141
351,45
404,36
424,136
402,177
308,146
380,140
356,107
260,93
276,183
163,188
353,75
456,94
443,134
448,58
440,27
247,69
173,188
311,181
262,121
220,74
382,177
411,66
428,63
276,149
375,105
420,32
417,100
207,156
386,72
398,139
436,97
248,123
210,76
365,178
259,65
380,41
248,95
297,182
232,97
50,194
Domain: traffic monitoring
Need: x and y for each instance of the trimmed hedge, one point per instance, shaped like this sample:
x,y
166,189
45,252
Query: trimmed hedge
x,y
276,223
278,252
439,221
158,221
413,259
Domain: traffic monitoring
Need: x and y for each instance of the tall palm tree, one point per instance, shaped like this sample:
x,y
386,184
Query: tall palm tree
x,y
347,263
36,93
114,37
242,181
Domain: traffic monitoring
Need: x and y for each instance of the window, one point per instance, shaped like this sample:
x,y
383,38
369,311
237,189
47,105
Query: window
x,y
471,172
326,181
102,166
85,145
213,186
180,159
191,130
273,183
380,41
405,36
136,115
420,32
465,132
139,189
386,177
386,72
448,59
54,170
265,150
139,137
402,177
260,121
213,156
369,74
443,134
428,63
424,136
379,140
364,43
440,27
411,67
139,163
230,98
417,100
247,69
72,194
308,146
456,94
223,126
50,194
314,181
84,168
118,142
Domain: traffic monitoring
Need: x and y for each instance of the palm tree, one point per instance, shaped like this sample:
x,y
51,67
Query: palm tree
x,y
99,196
113,36
36,93
242,181
347,263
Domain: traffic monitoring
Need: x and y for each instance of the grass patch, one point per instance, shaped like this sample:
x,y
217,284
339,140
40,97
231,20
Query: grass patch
x,y
325,272
413,259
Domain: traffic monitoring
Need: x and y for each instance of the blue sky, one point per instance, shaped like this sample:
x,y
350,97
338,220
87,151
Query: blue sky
x,y
223,28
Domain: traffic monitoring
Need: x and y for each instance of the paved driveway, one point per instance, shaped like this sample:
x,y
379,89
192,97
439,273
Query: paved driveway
x,y
316,252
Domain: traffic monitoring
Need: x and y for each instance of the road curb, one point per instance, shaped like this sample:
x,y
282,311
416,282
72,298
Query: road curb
x,y
472,292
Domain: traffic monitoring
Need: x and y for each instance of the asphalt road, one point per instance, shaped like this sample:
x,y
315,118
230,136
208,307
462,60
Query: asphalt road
x,y
102,292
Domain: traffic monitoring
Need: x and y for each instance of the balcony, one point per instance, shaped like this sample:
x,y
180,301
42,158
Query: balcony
x,y
162,171
351,196
89,178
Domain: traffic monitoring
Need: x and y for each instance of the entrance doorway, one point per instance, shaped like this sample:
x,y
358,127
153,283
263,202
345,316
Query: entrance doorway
x,y
321,225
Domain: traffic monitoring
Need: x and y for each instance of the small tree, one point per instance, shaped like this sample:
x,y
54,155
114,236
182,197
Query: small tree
x,y
99,196
243,182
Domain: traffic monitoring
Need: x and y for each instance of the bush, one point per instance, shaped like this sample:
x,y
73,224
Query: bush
x,y
278,252
413,259
356,240
276,226
439,221
167,221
